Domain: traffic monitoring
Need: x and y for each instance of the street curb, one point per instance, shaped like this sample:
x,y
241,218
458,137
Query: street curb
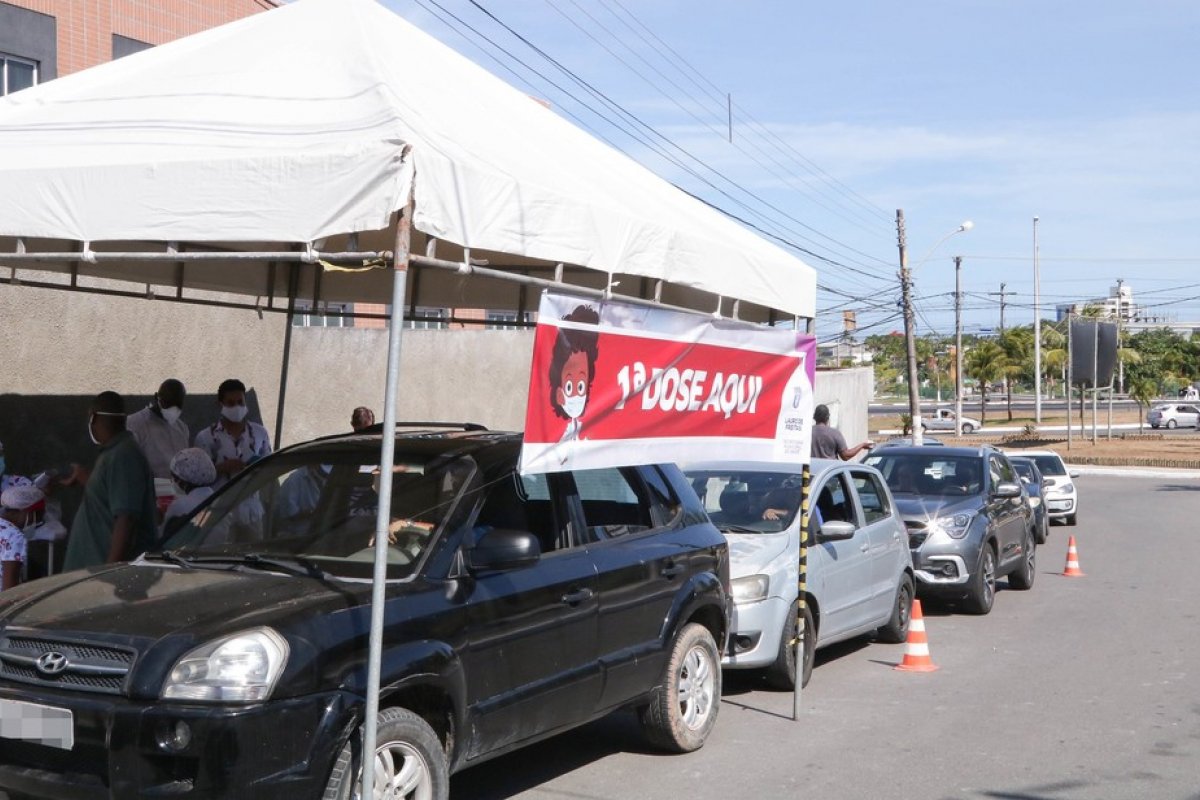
x,y
1134,472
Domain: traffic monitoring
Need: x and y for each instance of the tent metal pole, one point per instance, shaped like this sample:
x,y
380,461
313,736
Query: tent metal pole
x,y
383,515
293,284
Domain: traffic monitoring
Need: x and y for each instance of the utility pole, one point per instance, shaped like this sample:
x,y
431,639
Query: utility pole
x,y
958,353
1037,336
914,397
1002,294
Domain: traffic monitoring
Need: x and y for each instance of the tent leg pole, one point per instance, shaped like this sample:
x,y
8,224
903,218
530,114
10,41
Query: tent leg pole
x,y
293,284
383,514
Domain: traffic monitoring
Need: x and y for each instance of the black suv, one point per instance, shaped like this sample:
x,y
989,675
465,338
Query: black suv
x,y
968,517
233,663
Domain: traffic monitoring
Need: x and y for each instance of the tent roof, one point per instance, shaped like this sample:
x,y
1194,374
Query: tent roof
x,y
316,120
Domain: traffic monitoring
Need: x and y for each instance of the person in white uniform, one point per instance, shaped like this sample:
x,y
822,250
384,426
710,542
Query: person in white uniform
x,y
158,428
19,507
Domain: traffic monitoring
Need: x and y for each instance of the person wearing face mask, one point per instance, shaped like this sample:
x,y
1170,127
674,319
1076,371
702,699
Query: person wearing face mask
x,y
158,428
233,443
18,507
117,518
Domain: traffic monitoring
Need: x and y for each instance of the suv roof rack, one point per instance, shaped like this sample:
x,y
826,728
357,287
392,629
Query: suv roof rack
x,y
463,426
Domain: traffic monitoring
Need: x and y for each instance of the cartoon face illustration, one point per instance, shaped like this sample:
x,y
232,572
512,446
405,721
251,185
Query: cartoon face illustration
x,y
572,391
573,366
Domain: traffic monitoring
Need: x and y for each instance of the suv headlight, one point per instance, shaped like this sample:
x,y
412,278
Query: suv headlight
x,y
955,527
241,668
750,589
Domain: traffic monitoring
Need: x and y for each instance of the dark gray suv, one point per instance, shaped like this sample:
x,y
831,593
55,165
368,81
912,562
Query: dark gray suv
x,y
968,517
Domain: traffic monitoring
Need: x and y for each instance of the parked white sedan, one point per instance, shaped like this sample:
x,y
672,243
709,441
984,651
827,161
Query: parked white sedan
x,y
1174,415
860,577
942,419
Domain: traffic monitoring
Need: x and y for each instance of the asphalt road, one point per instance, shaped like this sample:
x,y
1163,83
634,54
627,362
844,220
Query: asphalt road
x,y
1080,689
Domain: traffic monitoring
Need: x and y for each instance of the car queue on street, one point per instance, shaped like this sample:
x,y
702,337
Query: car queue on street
x,y
518,606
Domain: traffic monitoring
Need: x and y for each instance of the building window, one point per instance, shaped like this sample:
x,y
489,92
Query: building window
x,y
16,74
427,318
326,315
500,320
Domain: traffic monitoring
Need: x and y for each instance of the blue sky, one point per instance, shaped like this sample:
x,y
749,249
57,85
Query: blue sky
x,y
1084,114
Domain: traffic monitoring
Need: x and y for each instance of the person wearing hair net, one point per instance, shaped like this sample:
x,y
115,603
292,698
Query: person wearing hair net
x,y
7,480
194,473
20,505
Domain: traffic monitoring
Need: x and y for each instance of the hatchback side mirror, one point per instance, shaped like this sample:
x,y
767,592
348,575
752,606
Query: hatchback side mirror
x,y
503,549
1007,489
1075,474
835,531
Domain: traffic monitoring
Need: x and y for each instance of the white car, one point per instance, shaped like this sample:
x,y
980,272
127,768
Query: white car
x,y
1172,415
942,419
860,577
1062,500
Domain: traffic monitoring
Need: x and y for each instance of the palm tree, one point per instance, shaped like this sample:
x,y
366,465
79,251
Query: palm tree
x,y
1017,344
1143,391
986,363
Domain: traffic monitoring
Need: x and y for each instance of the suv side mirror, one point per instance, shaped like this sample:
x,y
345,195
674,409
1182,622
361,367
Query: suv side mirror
x,y
1007,489
503,549
835,531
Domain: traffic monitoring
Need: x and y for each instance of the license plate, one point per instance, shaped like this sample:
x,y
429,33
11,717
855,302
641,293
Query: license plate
x,y
30,722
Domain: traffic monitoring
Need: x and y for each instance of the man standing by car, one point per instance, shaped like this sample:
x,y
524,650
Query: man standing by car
x,y
828,442
158,428
116,520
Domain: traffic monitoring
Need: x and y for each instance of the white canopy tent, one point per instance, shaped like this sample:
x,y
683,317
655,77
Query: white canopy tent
x,y
253,157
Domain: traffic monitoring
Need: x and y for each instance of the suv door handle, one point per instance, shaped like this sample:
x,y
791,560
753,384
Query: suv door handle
x,y
578,596
671,570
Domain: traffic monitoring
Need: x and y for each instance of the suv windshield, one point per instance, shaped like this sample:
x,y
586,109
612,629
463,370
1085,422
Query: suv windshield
x,y
316,507
933,474
748,502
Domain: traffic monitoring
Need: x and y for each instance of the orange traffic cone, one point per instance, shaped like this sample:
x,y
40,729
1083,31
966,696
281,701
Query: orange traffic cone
x,y
916,648
1072,570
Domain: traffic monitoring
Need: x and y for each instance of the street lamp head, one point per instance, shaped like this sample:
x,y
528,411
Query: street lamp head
x,y
966,226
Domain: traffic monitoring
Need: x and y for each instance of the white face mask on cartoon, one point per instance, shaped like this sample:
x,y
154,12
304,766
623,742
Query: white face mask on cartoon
x,y
574,405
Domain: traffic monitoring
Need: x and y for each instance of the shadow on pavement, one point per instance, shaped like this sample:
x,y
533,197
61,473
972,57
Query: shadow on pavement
x,y
532,766
1180,487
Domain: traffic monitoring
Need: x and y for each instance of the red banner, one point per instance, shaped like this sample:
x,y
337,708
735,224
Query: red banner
x,y
613,384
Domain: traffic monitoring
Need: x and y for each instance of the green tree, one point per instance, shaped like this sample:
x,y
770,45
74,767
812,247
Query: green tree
x,y
986,363
1017,344
1143,391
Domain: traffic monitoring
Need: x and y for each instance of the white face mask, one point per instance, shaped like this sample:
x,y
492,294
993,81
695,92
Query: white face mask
x,y
172,414
234,413
574,405
91,433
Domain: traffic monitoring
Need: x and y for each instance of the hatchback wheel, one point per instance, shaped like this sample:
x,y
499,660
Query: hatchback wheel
x,y
896,630
1023,577
1172,424
967,427
409,762
782,674
683,708
982,593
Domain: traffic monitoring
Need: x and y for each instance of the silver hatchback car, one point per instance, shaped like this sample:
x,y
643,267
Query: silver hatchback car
x,y
860,577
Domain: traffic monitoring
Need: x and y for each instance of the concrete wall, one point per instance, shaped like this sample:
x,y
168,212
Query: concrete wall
x,y
847,393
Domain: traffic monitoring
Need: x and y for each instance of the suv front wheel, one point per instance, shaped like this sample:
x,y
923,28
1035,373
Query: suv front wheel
x,y
982,592
409,761
684,705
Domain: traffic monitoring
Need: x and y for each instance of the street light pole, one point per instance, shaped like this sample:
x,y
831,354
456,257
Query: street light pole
x,y
914,398
1037,331
958,353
